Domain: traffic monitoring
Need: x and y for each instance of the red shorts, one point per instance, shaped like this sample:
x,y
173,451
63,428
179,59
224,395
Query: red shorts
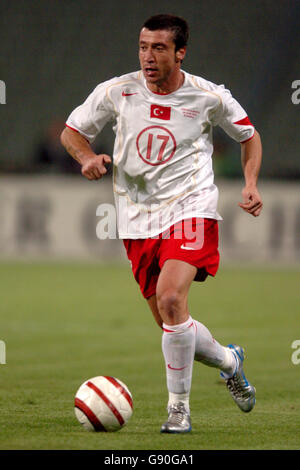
x,y
194,241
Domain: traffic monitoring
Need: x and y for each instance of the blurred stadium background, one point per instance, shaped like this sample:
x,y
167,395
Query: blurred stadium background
x,y
76,312
54,54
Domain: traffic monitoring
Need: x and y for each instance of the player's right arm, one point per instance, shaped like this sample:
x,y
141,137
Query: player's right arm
x,y
92,165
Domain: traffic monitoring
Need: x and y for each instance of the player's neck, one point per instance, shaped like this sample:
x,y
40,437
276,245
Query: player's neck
x,y
167,86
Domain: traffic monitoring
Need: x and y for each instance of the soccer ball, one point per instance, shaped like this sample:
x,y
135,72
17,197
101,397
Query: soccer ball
x,y
103,404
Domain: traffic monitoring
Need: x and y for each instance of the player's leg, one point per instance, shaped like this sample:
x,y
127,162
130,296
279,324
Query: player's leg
x,y
172,291
229,359
152,302
178,340
210,352
207,349
201,238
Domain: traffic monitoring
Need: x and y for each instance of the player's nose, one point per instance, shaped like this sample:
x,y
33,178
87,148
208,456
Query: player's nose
x,y
148,57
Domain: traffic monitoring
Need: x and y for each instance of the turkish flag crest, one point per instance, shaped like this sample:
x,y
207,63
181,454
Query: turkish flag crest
x,y
160,112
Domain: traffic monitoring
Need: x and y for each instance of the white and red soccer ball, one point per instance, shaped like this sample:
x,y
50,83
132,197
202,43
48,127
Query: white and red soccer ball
x,y
103,404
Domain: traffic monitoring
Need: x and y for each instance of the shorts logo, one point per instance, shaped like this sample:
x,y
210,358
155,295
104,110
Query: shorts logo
x,y
160,112
156,145
184,247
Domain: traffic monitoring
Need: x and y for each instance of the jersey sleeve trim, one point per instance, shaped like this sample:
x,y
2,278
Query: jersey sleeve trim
x,y
244,122
247,140
78,132
247,123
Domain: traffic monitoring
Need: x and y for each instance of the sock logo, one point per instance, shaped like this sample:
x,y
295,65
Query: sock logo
x,y
176,368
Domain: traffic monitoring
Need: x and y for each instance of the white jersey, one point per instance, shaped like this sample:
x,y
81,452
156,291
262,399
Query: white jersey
x,y
162,154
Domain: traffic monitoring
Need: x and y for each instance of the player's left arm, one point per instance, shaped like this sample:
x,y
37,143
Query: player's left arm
x,y
251,156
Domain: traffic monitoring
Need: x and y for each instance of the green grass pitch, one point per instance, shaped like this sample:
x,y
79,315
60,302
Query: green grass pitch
x,y
65,323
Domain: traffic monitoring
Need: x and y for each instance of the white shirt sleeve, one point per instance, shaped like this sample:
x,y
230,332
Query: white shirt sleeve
x,y
232,118
90,117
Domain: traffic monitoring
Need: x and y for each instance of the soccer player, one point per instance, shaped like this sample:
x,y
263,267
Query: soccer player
x,y
165,195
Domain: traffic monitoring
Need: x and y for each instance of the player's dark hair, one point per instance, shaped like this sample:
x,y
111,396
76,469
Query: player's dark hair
x,y
177,25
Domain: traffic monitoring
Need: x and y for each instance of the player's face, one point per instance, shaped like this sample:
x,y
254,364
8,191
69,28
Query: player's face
x,y
158,59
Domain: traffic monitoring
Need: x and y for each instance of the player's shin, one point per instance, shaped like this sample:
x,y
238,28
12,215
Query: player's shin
x,y
210,352
178,345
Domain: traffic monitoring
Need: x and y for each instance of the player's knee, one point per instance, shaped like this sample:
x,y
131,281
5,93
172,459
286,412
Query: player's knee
x,y
169,303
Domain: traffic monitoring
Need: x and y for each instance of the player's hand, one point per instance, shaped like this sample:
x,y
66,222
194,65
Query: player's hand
x,y
252,202
94,167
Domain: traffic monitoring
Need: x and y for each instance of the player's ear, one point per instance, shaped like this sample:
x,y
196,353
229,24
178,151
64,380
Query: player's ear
x,y
180,54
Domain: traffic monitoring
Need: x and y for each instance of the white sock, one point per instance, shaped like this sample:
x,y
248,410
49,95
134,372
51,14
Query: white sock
x,y
180,397
178,345
210,352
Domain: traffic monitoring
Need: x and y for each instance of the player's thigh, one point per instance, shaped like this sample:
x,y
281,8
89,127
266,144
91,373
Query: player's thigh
x,y
176,274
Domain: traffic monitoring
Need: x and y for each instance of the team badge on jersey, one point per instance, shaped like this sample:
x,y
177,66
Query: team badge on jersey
x,y
160,112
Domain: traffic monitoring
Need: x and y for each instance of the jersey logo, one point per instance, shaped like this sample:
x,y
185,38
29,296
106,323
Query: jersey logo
x,y
160,112
128,94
